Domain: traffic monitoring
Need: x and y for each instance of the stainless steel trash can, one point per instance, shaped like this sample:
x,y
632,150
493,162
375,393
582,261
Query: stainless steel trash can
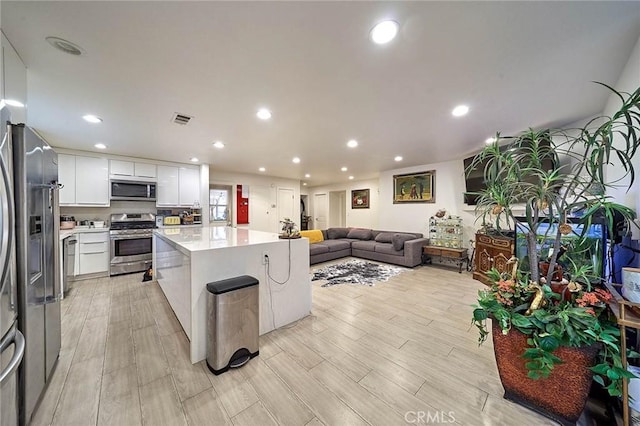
x,y
233,327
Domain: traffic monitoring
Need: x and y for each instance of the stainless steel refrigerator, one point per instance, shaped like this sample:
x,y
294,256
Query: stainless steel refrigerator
x,y
12,344
35,184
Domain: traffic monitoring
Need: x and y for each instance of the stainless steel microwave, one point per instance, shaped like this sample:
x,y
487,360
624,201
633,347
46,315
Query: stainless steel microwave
x,y
128,190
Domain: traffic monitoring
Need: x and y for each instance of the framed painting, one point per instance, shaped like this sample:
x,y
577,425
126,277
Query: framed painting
x,y
414,187
360,199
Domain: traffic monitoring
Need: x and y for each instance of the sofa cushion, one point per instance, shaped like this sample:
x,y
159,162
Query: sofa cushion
x,y
364,245
314,235
360,234
335,233
337,245
318,248
387,248
399,239
384,237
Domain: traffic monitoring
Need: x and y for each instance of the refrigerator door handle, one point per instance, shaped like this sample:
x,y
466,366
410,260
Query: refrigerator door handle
x,y
6,234
18,339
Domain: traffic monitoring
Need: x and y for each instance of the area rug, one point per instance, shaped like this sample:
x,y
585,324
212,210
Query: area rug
x,y
355,272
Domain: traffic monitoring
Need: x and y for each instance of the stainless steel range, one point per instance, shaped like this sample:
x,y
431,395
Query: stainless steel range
x,y
131,240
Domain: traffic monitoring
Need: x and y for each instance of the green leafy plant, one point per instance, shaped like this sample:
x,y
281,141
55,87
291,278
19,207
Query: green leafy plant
x,y
584,320
575,189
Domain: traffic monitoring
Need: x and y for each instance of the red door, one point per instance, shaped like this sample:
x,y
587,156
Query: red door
x,y
243,206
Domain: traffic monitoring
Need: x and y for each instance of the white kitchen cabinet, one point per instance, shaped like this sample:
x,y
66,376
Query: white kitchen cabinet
x,y
168,187
85,180
14,80
178,186
67,177
144,170
120,168
93,252
129,169
92,181
189,186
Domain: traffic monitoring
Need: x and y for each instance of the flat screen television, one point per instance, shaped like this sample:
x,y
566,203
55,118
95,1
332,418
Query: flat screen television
x,y
590,252
474,181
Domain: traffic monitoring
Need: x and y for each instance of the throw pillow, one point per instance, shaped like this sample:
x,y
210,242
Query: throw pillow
x,y
314,235
384,237
360,234
335,233
399,239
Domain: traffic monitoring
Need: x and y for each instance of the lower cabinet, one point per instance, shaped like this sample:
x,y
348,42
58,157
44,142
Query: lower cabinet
x,y
491,252
93,252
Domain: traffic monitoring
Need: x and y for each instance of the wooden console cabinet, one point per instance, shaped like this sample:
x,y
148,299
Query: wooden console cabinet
x,y
491,251
457,256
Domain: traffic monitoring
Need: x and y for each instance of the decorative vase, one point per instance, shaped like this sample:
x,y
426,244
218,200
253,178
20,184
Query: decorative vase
x,y
563,395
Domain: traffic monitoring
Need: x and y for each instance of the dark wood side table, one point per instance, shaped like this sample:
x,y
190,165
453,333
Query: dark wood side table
x,y
456,256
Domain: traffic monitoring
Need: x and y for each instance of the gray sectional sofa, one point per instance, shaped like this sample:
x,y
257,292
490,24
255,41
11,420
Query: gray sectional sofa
x,y
399,248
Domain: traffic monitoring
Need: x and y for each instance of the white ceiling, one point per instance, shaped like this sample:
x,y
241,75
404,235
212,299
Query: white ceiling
x,y
516,64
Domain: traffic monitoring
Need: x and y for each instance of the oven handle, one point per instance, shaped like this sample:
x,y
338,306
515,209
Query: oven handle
x,y
131,237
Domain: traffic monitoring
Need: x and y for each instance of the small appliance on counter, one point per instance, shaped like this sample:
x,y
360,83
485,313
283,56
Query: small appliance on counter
x,y
67,222
172,220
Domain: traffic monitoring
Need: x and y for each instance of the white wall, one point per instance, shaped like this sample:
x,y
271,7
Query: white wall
x,y
268,184
628,82
414,217
357,218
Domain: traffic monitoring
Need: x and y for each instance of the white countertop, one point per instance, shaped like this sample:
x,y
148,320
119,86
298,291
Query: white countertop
x,y
214,237
64,233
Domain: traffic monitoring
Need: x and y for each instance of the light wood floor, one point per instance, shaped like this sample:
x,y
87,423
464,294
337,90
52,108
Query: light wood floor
x,y
367,355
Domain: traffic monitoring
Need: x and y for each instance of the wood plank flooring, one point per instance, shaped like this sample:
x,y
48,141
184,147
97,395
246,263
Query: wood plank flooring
x,y
367,355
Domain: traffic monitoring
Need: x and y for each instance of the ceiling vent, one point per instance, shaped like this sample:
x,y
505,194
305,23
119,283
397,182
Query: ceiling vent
x,y
181,118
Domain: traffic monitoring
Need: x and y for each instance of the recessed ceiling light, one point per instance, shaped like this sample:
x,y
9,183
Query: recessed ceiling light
x,y
384,32
344,169
307,175
352,143
296,160
100,146
460,110
13,103
350,177
218,144
304,183
263,114
262,169
92,118
397,158
489,140
194,159
64,45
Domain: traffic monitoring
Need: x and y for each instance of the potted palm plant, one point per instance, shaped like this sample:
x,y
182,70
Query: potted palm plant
x,y
551,327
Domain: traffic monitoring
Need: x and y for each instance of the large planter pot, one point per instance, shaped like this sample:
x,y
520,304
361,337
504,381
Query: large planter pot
x,y
563,395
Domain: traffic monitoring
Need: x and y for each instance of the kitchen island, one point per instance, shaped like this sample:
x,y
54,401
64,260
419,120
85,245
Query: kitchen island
x,y
186,259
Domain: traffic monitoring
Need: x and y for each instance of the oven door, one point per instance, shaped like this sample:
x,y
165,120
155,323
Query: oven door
x,y
130,248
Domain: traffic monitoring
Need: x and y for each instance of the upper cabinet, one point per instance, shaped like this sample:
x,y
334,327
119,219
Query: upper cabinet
x,y
168,187
85,180
67,177
128,169
14,80
189,186
178,186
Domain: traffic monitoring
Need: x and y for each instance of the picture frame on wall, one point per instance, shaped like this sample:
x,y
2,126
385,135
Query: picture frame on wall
x,y
414,187
360,199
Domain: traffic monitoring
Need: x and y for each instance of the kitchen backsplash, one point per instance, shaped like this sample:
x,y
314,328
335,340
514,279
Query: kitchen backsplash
x,y
103,213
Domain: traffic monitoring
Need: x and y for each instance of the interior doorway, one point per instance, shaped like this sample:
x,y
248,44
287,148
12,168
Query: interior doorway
x,y
305,215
